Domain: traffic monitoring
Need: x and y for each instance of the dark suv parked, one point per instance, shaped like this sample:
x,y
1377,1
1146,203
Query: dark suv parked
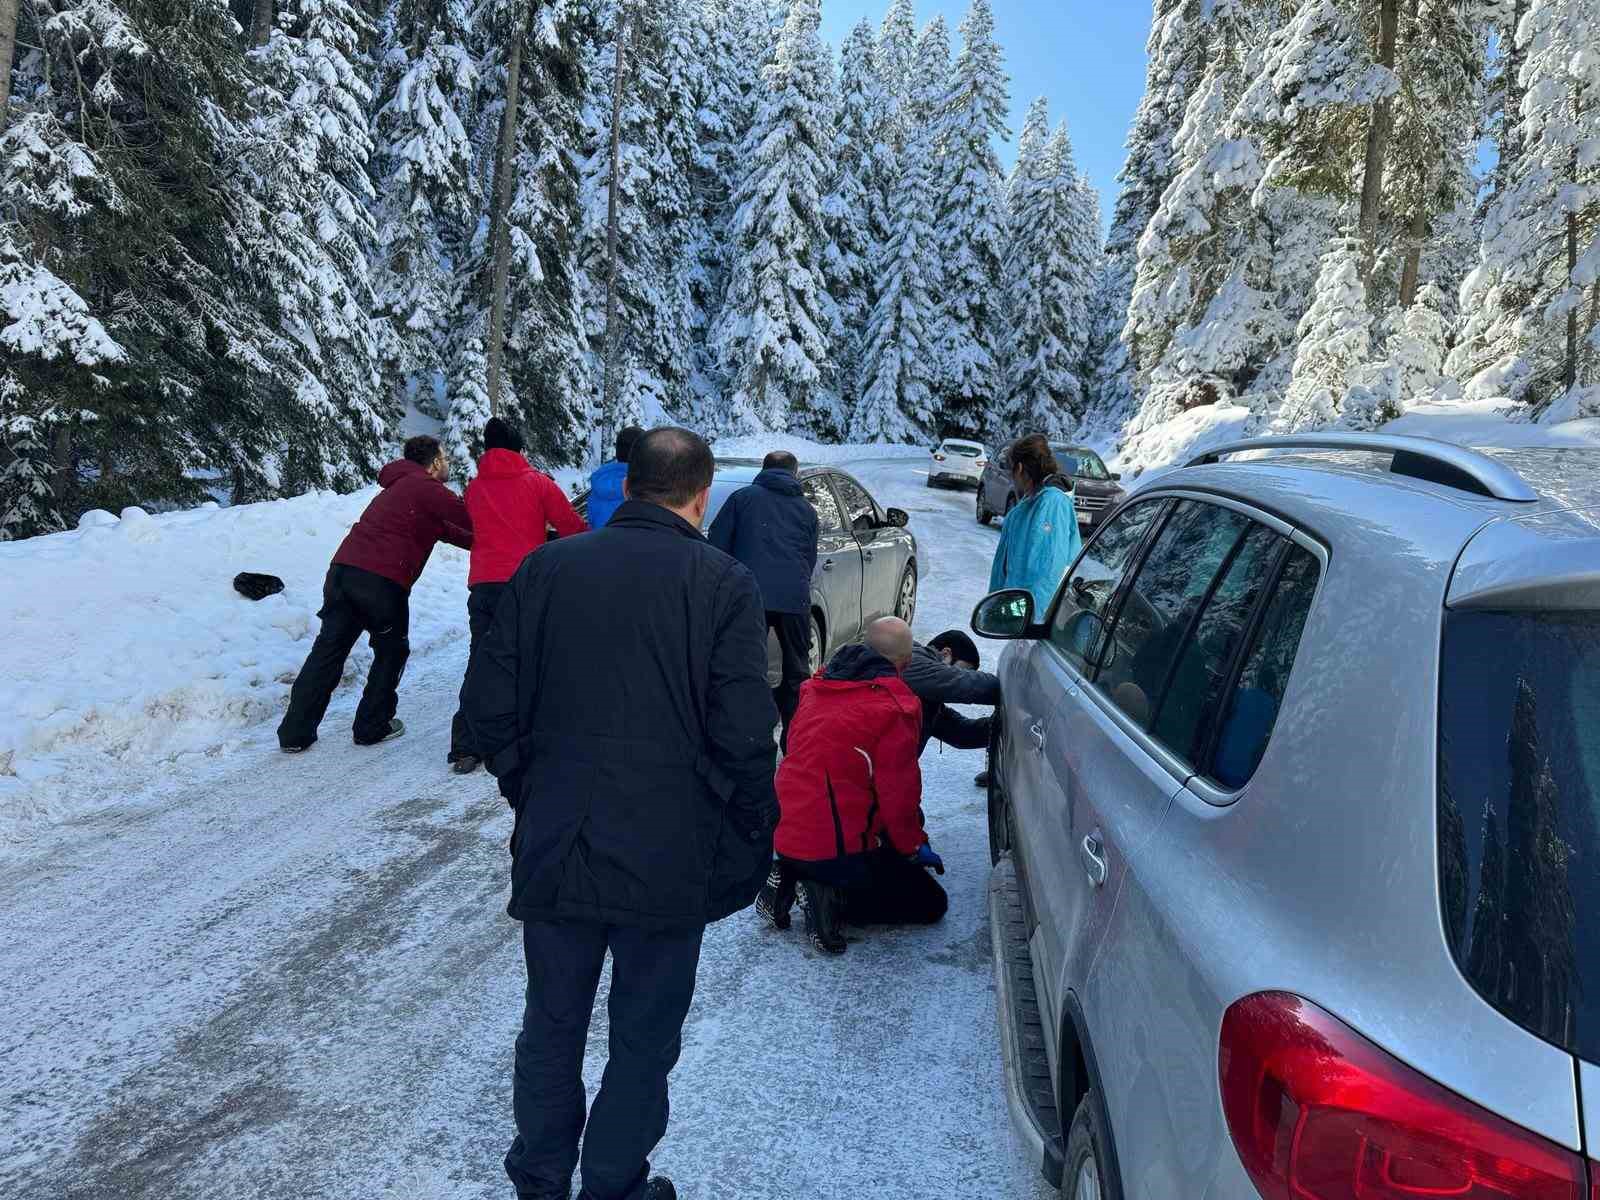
x,y
1095,490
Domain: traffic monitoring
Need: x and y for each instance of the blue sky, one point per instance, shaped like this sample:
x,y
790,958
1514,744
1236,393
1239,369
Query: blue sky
x,y
1087,56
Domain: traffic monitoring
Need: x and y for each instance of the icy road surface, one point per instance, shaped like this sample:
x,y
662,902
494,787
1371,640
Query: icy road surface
x,y
294,977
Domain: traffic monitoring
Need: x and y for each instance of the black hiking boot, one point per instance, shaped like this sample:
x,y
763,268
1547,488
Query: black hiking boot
x,y
776,899
981,779
396,728
821,904
659,1188
466,764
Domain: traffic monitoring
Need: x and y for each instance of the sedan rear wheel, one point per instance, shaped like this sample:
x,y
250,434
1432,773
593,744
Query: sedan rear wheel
x,y
905,604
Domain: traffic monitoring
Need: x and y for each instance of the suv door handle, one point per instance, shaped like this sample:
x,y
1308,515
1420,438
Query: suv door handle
x,y
827,564
1037,730
1094,859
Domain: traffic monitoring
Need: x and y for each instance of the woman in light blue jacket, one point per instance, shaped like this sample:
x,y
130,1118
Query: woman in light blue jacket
x,y
1040,537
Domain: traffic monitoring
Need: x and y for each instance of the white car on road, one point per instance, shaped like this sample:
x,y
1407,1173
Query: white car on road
x,y
957,461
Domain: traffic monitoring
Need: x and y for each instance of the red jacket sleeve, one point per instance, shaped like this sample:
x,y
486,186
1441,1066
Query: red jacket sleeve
x,y
455,523
898,781
558,509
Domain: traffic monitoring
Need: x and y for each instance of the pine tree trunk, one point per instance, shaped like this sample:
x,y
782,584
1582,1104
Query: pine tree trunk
x,y
619,80
1511,106
1412,268
8,51
261,27
1378,134
1569,374
500,236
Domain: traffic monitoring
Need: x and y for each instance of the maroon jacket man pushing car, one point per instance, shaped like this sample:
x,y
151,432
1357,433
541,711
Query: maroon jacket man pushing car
x,y
368,589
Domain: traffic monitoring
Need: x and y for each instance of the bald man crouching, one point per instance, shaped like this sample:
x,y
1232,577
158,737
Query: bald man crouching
x,y
850,839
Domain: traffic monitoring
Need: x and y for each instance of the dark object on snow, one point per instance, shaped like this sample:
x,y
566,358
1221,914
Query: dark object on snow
x,y
353,601
256,587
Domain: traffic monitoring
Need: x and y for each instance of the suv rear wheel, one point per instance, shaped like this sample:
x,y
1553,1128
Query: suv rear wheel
x,y
984,515
1089,1174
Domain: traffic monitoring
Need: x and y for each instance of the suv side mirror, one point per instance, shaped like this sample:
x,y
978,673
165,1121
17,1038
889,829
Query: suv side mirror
x,y
1116,476
899,517
1004,616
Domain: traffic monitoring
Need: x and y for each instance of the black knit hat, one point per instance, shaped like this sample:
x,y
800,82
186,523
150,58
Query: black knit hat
x,y
501,435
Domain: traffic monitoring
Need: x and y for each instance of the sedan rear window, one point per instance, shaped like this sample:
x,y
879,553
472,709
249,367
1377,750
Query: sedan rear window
x,y
1519,816
963,451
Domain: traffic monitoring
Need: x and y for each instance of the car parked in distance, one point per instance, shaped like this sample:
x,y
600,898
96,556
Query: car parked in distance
x,y
1095,490
1295,809
957,461
866,555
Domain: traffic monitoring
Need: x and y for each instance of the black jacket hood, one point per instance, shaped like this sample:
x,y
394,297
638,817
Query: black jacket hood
x,y
858,664
785,483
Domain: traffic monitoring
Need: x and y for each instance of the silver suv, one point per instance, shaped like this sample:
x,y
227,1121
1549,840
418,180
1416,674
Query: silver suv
x,y
1295,809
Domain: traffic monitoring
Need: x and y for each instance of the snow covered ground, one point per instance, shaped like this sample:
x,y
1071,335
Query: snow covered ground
x,y
231,973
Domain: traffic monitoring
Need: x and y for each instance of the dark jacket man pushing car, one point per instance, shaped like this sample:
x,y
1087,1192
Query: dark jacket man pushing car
x,y
644,812
771,528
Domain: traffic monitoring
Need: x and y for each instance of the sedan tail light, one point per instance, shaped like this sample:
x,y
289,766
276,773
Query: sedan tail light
x,y
983,462
938,458
1317,1112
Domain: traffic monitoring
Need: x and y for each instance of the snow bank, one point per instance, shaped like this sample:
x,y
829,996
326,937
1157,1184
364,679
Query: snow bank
x,y
1151,453
761,444
127,646
1485,423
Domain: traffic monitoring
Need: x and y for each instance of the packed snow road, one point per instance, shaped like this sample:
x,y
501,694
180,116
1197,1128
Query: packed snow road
x,y
294,977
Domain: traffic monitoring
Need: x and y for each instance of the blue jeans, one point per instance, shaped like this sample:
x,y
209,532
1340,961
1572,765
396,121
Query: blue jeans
x,y
652,983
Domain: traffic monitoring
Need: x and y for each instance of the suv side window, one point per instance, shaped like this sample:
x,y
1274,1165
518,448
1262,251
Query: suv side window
x,y
860,512
830,519
1201,673
1252,710
1085,605
1161,608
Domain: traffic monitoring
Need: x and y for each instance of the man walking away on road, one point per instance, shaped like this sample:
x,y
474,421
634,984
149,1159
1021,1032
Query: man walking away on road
x,y
621,699
368,587
511,506
945,672
771,527
850,836
605,483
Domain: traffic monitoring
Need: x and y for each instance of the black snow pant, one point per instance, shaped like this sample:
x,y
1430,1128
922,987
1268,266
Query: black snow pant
x,y
794,646
880,888
482,600
353,602
652,983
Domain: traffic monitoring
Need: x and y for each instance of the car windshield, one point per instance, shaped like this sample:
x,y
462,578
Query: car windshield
x,y
1080,463
1519,816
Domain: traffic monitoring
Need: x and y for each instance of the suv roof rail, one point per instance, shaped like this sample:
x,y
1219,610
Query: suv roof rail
x,y
1439,462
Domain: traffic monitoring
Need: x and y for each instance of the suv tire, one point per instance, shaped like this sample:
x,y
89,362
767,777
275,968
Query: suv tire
x,y
984,515
1000,841
1089,1173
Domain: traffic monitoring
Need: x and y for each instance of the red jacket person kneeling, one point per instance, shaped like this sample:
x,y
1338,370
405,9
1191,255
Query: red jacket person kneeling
x,y
850,838
513,507
368,589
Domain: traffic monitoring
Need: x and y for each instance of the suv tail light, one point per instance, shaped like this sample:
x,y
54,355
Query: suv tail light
x,y
1317,1112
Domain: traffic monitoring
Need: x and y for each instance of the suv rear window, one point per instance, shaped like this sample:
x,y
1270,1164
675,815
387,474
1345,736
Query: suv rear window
x,y
1519,816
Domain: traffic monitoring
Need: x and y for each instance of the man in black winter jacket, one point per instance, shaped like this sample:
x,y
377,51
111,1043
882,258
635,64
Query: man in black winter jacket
x,y
621,700
771,528
945,672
